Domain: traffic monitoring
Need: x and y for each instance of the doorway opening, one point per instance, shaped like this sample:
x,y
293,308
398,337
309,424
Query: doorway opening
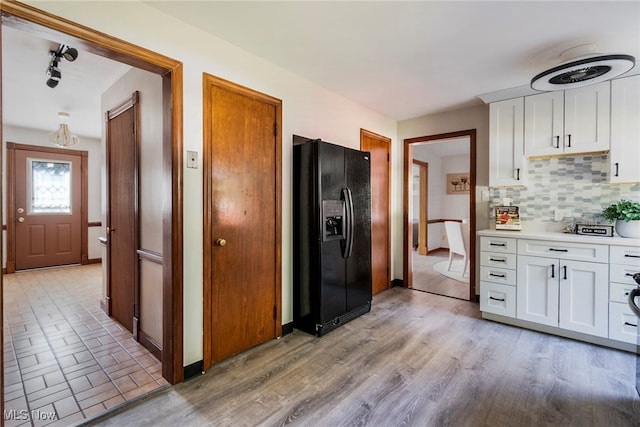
x,y
35,22
439,214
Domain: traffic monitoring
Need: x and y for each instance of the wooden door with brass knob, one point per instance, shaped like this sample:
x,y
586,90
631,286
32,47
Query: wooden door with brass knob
x,y
242,295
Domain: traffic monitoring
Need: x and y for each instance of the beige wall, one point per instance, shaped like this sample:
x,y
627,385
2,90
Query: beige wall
x,y
150,174
451,121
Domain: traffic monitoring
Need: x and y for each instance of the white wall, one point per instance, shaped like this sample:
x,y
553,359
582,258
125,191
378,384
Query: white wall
x,y
441,205
21,135
308,110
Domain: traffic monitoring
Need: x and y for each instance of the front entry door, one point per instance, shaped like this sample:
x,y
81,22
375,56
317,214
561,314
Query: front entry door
x,y
47,208
122,229
242,219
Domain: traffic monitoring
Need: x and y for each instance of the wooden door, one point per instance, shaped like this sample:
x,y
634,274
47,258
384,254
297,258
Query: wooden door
x,y
47,207
242,219
122,206
379,147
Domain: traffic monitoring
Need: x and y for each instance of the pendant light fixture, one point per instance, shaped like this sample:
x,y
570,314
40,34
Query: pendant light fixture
x,y
582,69
63,137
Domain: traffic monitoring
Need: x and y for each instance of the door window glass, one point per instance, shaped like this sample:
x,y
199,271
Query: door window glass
x,y
50,186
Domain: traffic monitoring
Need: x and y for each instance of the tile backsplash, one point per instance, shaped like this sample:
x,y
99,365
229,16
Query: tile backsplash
x,y
576,184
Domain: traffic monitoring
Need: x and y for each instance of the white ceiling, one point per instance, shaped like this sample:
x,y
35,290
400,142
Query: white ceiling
x,y
28,102
401,59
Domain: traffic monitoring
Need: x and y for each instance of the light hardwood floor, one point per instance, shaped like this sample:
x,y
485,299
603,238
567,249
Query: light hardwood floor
x,y
417,359
426,279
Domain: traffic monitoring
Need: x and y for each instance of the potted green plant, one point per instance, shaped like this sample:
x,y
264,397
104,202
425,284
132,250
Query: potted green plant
x,y
626,215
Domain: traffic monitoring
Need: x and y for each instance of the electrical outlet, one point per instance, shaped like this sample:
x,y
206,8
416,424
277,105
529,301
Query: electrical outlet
x,y
192,159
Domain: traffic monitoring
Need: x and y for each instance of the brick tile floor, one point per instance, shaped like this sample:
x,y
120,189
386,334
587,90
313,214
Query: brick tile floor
x,y
64,359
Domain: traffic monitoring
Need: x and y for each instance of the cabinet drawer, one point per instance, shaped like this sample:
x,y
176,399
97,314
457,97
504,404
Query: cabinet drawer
x,y
623,273
562,250
503,276
498,299
496,259
628,255
498,244
619,292
623,324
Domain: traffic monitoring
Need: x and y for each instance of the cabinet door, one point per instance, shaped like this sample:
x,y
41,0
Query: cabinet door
x,y
586,118
584,294
506,143
625,130
537,290
544,124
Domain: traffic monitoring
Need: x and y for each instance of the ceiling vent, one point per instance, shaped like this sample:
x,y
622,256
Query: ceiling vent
x,y
582,70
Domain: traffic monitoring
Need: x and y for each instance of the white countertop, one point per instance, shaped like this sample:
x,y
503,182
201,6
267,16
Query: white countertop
x,y
560,237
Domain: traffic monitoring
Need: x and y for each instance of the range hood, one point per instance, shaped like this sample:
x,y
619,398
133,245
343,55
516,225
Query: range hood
x,y
582,70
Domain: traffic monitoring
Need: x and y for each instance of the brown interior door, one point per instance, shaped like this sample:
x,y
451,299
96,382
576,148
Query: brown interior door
x,y
379,147
121,216
242,203
48,205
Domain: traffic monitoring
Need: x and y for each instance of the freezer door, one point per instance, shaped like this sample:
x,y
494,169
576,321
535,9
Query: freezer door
x,y
332,286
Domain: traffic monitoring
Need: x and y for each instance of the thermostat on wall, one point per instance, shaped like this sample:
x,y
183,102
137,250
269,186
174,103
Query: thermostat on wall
x,y
595,230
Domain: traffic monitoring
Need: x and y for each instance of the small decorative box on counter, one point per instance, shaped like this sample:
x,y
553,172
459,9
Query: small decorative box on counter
x,y
508,218
595,230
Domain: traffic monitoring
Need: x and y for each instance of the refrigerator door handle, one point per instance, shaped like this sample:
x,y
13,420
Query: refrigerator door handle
x,y
348,240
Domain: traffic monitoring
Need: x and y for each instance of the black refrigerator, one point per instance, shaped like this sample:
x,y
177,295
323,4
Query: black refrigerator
x,y
331,235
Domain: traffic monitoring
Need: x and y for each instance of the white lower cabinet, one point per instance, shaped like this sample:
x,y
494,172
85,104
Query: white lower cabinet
x,y
572,295
570,287
498,299
498,276
537,286
625,262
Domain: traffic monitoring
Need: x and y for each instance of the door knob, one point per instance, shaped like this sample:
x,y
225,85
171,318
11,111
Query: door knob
x,y
110,230
20,210
221,242
21,219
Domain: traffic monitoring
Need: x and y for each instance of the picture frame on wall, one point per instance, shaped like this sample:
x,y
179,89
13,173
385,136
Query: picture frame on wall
x,y
458,183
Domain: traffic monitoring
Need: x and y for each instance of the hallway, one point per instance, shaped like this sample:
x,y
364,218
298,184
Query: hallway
x,y
64,358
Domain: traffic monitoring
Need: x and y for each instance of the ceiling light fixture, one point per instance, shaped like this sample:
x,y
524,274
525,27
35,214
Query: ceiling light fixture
x,y
63,136
53,72
582,70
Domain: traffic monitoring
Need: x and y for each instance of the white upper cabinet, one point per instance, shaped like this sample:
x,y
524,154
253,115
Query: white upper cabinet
x,y
587,118
568,122
625,130
544,124
506,143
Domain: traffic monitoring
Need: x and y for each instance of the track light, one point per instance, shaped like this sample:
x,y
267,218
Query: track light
x,y
53,72
54,75
68,53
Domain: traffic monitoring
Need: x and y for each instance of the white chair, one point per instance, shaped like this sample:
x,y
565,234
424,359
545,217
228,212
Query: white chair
x,y
458,237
